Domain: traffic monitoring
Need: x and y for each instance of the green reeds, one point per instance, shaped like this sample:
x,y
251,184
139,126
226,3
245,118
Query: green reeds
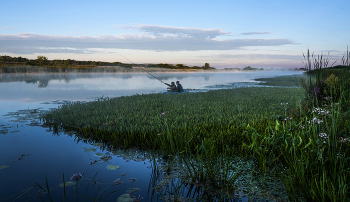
x,y
218,172
346,58
173,122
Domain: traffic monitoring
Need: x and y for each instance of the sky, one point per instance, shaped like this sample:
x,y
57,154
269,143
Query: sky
x,y
223,33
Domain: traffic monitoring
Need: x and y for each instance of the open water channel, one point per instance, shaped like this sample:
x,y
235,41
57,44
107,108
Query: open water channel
x,y
31,153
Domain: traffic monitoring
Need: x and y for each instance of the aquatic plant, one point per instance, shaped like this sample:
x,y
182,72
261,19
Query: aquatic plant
x,y
159,121
75,196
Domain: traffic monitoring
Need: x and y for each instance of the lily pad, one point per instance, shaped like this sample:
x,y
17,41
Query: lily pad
x,y
118,181
3,167
99,154
3,131
106,158
113,167
98,144
125,198
69,183
132,190
91,149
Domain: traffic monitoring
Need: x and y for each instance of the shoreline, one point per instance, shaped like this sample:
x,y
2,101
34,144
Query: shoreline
x,y
26,69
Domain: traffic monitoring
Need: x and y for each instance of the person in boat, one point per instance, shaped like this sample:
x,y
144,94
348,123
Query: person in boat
x,y
179,87
172,87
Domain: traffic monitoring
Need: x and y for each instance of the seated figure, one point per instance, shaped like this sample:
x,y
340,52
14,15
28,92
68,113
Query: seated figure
x,y
172,87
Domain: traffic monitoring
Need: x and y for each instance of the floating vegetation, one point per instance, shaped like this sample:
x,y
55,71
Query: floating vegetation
x,y
125,198
90,149
23,155
25,115
34,123
67,184
106,158
97,144
15,131
117,181
99,154
233,85
3,167
4,131
132,190
113,167
132,179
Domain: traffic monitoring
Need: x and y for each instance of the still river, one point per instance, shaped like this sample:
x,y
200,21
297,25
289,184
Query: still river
x,y
30,153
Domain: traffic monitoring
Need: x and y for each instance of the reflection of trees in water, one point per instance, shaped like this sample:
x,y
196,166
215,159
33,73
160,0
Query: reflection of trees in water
x,y
179,76
43,83
44,79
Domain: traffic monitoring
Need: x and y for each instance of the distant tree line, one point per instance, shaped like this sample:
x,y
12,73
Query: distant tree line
x,y
248,68
44,61
179,66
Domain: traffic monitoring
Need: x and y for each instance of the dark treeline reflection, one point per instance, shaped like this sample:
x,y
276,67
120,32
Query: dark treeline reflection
x,y
44,78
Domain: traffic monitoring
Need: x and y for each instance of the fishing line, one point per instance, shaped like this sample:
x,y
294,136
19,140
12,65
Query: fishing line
x,y
141,68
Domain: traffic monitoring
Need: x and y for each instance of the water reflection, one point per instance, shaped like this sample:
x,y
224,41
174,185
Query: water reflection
x,y
88,86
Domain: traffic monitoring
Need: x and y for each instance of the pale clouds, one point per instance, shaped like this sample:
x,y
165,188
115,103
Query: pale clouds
x,y
260,56
266,56
154,38
158,30
255,33
9,28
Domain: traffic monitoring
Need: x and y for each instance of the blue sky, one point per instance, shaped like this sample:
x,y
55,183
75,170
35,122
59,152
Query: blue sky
x,y
269,33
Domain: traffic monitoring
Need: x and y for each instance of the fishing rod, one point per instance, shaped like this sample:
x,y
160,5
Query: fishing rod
x,y
143,69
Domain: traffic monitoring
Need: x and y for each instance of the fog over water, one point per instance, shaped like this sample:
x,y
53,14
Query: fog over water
x,y
87,86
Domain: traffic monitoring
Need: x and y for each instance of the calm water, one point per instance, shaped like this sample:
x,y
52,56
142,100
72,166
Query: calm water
x,y
29,152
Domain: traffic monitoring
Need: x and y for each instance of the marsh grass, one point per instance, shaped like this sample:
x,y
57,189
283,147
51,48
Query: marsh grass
x,y
287,81
175,123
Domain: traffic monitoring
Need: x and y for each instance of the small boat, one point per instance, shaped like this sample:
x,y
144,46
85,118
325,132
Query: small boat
x,y
185,91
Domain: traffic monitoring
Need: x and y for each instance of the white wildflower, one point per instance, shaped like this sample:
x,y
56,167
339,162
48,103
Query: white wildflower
x,y
323,135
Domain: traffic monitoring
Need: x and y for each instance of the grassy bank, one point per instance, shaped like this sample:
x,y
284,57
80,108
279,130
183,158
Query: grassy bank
x,y
305,130
287,81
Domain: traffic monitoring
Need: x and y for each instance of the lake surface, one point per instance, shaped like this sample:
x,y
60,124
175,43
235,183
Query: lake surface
x,y
30,152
